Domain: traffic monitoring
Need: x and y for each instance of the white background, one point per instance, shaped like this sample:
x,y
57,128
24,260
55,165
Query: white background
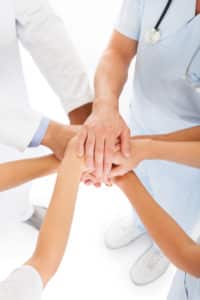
x,y
89,271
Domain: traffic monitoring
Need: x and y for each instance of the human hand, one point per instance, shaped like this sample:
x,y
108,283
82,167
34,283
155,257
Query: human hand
x,y
98,137
70,154
139,152
58,136
90,178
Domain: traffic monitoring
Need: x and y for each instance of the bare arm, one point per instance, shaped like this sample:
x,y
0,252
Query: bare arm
x,y
189,134
177,246
182,147
187,153
19,172
112,70
56,227
105,125
80,115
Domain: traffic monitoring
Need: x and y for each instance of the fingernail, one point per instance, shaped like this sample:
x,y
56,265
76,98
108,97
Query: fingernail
x,y
127,154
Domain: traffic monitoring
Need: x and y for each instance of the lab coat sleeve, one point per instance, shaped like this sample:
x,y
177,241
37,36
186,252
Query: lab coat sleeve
x,y
129,20
44,35
18,126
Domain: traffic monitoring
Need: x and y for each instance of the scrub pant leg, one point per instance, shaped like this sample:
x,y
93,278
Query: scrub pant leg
x,y
177,289
142,173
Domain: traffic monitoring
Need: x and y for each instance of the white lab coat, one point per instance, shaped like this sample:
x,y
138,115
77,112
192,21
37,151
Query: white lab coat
x,y
34,23
37,28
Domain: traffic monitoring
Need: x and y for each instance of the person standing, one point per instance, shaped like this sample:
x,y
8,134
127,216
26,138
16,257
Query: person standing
x,y
166,99
43,34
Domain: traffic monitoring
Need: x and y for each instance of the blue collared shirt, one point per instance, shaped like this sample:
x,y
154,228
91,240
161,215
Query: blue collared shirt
x,y
40,133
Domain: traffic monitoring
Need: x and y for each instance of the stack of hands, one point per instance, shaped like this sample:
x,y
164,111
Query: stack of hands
x,y
105,144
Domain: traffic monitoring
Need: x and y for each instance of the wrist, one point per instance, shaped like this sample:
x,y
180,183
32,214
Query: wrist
x,y
71,154
121,181
53,162
57,134
154,150
51,134
143,147
106,103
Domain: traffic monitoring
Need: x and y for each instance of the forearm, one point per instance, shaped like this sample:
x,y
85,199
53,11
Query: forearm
x,y
58,136
110,78
187,153
79,115
177,246
190,135
55,230
22,171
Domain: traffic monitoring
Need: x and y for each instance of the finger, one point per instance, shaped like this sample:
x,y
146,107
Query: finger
x,y
90,178
117,148
126,143
99,155
88,182
89,150
109,182
109,151
97,185
82,136
117,171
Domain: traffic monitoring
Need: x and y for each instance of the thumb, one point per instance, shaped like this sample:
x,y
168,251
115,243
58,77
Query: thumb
x,y
82,136
117,171
126,143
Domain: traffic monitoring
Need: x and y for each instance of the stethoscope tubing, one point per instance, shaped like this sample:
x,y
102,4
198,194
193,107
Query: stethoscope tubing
x,y
166,9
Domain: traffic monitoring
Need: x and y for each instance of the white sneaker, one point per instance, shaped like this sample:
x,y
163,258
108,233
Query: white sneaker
x,y
37,218
149,267
122,233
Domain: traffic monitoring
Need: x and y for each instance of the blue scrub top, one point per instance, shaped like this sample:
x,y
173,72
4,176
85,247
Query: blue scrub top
x,y
164,95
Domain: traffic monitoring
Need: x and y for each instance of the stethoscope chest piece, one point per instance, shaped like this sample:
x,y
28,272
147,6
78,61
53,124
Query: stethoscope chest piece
x,y
152,36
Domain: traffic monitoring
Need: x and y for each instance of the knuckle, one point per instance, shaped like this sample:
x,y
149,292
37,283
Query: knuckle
x,y
90,146
84,128
99,160
99,151
89,156
109,150
107,166
99,164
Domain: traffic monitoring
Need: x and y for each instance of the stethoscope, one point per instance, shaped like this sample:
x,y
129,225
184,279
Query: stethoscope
x,y
153,36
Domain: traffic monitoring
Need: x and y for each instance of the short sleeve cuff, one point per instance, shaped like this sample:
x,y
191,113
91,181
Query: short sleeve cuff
x,y
123,30
129,20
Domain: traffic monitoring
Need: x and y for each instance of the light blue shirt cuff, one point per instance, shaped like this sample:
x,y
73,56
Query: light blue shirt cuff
x,y
40,133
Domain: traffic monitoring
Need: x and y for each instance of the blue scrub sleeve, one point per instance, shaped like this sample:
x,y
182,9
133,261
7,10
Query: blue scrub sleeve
x,y
193,74
130,18
40,133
